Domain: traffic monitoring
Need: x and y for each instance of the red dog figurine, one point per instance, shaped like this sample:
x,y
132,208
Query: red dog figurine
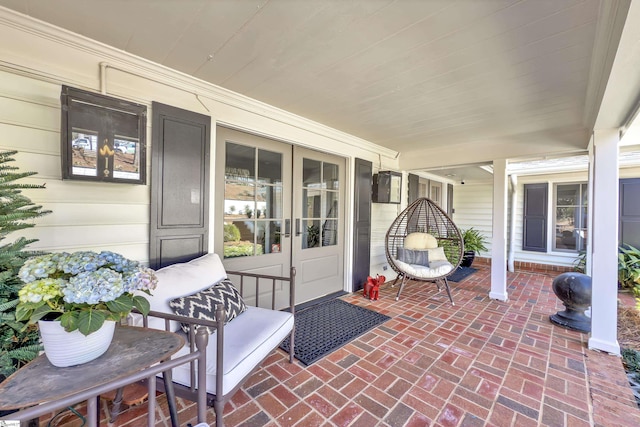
x,y
372,287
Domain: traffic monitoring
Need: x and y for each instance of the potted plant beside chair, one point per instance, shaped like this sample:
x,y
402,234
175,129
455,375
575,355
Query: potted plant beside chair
x,y
474,242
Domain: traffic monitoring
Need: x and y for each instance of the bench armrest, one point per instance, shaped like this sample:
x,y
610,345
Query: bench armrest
x,y
262,281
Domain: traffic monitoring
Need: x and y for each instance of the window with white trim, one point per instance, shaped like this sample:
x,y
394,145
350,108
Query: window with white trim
x,y
570,217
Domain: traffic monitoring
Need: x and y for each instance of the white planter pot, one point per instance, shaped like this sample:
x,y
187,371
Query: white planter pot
x,y
64,348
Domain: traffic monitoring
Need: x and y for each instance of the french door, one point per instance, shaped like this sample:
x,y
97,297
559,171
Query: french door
x,y
278,205
318,213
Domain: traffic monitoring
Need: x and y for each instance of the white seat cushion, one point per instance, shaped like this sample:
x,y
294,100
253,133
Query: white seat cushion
x,y
246,345
435,269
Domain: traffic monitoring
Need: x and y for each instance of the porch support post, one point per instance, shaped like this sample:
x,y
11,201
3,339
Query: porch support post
x,y
604,268
499,234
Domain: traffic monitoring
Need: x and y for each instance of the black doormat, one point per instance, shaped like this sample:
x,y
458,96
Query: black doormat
x,y
325,327
461,273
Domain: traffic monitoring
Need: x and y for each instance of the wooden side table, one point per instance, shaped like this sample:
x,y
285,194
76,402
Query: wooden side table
x,y
131,357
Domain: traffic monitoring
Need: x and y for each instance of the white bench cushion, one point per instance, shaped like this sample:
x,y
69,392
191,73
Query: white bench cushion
x,y
183,279
248,340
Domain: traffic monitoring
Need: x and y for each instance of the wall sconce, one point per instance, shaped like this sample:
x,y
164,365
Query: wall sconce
x,y
387,187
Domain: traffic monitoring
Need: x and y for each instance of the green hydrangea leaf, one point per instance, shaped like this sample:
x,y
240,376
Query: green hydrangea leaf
x,y
40,312
69,321
122,304
90,321
142,304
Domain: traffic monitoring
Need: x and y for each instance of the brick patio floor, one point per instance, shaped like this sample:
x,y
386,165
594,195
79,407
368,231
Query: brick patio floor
x,y
479,363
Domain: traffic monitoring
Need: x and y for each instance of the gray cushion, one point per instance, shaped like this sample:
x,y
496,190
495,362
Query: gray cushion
x,y
414,256
202,305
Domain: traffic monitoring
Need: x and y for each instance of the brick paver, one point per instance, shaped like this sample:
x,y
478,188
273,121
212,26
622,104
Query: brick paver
x,y
479,363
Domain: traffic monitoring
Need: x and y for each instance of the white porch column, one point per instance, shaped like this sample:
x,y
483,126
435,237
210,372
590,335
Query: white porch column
x,y
604,268
499,239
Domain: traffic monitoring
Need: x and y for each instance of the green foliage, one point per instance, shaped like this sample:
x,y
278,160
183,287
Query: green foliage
x,y
241,249
231,233
580,263
451,247
19,342
629,268
474,240
313,236
631,359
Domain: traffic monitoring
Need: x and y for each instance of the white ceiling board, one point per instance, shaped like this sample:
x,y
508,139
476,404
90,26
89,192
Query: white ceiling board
x,y
215,26
411,75
110,22
157,33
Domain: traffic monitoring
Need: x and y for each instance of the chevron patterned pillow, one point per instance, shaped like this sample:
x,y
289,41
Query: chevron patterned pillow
x,y
202,305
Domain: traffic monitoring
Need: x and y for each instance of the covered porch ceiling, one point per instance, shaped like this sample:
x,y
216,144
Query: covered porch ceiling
x,y
440,82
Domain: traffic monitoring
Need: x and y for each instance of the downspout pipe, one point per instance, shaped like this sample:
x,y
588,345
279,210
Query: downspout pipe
x,y
103,78
512,224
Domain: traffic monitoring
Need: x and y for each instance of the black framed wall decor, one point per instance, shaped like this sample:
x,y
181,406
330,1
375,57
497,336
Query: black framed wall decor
x,y
102,138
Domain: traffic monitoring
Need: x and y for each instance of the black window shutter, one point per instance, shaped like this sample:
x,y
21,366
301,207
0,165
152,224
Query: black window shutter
x,y
414,184
535,217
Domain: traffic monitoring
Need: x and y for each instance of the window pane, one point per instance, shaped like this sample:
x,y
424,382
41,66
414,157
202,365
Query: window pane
x,y
311,203
239,238
585,195
565,238
268,237
240,162
584,218
83,155
239,199
568,195
126,158
269,202
330,176
330,232
331,207
310,173
310,234
269,167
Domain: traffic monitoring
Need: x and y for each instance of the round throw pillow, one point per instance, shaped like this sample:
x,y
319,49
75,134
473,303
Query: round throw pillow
x,y
420,241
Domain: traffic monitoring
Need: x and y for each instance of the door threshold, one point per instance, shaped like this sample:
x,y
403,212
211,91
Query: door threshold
x,y
320,300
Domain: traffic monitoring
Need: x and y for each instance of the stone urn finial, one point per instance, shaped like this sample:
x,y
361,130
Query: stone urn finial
x,y
574,290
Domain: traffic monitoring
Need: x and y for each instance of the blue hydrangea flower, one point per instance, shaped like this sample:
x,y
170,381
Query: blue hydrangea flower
x,y
80,281
81,261
141,279
40,267
117,262
93,287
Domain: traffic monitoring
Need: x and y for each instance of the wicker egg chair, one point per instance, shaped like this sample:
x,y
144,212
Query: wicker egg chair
x,y
423,219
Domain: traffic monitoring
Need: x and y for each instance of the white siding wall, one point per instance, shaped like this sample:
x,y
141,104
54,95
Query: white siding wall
x,y
383,215
473,208
472,203
37,60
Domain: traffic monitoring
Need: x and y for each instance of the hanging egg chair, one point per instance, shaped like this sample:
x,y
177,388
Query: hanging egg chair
x,y
424,244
